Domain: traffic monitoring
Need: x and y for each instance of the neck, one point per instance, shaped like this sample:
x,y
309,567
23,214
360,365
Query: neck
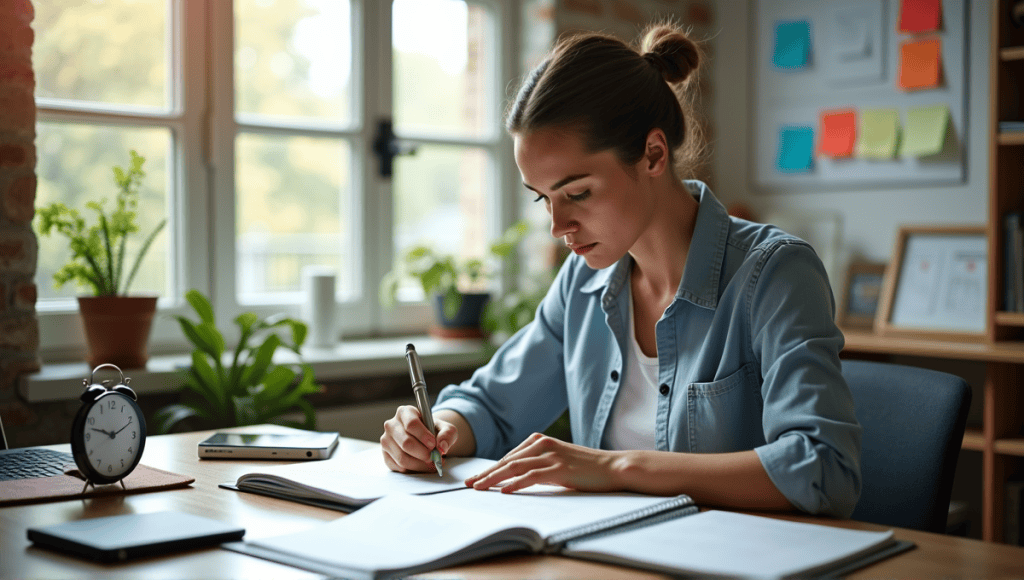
x,y
659,255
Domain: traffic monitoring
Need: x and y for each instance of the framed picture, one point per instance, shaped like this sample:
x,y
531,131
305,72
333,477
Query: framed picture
x,y
937,284
861,295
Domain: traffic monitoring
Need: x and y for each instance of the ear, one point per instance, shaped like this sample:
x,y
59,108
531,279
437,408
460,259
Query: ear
x,y
656,154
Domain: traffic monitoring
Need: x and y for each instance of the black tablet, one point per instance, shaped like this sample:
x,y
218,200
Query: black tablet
x,y
130,536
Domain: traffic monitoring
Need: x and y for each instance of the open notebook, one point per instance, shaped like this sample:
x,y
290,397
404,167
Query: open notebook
x,y
399,535
349,482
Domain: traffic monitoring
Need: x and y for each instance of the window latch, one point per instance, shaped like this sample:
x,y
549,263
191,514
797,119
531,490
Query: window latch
x,y
387,146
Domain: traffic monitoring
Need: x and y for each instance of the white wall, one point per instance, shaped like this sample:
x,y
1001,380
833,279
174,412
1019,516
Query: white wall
x,y
872,217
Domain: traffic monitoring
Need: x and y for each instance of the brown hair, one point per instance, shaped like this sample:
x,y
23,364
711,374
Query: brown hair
x,y
615,94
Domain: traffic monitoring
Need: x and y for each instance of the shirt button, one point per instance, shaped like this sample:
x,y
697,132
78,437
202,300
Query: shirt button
x,y
663,390
615,375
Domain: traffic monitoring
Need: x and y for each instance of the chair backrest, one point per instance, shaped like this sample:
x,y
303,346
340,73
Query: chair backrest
x,y
913,421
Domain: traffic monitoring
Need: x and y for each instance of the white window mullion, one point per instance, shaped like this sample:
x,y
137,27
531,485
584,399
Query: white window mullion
x,y
221,129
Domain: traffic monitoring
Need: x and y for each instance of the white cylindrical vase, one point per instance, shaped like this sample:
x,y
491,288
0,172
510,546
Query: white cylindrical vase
x,y
318,308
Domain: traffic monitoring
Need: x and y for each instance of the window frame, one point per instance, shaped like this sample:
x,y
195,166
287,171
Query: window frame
x,y
204,126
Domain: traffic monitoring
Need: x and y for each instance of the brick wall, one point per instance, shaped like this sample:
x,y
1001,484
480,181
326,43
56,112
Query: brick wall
x,y
19,327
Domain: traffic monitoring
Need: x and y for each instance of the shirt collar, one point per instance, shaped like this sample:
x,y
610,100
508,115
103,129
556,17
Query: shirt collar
x,y
703,262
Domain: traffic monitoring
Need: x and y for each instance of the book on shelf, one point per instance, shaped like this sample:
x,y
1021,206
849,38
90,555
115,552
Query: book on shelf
x,y
348,482
1013,519
1013,263
1011,126
403,533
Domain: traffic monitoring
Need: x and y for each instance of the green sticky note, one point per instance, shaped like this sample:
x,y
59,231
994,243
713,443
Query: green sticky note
x,y
925,131
879,133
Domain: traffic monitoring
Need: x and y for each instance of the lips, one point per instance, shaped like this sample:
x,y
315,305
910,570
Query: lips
x,y
581,249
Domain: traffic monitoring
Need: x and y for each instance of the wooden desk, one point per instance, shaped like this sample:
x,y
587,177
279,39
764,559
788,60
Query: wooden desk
x,y
935,555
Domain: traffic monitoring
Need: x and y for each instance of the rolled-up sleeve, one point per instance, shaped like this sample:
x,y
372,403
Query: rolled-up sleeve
x,y
522,388
812,454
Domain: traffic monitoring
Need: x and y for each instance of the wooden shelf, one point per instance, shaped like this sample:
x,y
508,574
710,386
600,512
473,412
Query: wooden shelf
x,y
870,343
1010,318
1009,447
1012,53
1011,138
974,440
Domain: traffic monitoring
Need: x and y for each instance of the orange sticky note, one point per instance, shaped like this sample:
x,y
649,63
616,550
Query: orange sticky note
x,y
919,16
920,64
838,132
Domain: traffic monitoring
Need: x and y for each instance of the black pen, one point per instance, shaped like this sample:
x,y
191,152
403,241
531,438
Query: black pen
x,y
419,389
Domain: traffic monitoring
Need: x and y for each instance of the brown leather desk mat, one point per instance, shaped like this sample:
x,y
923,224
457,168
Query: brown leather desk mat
x,y
69,486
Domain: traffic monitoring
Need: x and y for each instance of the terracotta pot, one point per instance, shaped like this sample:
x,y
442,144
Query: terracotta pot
x,y
117,329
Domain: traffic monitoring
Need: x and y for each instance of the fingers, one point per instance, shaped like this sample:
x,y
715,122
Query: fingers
x,y
531,454
447,435
406,443
516,474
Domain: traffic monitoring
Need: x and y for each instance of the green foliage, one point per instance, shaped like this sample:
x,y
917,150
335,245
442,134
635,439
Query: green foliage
x,y
445,275
98,250
249,390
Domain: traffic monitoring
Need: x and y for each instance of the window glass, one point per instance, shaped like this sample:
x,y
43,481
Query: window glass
x,y
293,210
440,195
108,51
293,58
441,67
75,166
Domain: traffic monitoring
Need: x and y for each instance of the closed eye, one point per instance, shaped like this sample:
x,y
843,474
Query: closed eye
x,y
540,197
580,196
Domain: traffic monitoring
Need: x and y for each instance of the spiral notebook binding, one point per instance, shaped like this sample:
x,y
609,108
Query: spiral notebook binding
x,y
681,505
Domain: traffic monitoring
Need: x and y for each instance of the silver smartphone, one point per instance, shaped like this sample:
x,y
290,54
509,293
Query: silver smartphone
x,y
305,445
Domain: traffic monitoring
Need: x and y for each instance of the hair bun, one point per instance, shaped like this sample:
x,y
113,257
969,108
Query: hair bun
x,y
671,52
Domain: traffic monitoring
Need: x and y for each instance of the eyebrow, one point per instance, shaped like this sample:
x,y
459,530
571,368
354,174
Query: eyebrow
x,y
561,182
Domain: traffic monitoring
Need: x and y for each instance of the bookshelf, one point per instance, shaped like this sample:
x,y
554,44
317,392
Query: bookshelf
x,y
1000,437
1003,428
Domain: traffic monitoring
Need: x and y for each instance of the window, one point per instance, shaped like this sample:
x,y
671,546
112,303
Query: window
x,y
257,119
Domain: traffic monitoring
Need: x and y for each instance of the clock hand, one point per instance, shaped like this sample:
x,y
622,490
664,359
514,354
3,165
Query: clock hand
x,y
107,433
121,429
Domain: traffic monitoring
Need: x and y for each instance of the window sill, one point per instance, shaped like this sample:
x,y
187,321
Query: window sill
x,y
349,359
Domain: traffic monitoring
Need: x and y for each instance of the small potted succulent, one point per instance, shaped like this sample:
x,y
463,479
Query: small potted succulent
x,y
117,324
457,287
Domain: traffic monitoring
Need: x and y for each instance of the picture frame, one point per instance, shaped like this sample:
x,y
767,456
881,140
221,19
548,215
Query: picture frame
x,y
937,284
861,296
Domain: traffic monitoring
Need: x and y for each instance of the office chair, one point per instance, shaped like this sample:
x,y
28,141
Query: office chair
x,y
913,421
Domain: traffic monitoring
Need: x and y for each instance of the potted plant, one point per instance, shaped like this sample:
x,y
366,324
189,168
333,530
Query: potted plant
x,y
116,324
457,287
248,388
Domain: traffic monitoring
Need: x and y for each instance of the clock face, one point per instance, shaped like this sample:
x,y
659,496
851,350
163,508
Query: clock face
x,y
112,437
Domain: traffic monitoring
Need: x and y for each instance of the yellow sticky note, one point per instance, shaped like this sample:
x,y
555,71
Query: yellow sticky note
x,y
879,133
925,131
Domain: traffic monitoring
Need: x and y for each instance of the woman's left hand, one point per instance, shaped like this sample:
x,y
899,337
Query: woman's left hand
x,y
543,459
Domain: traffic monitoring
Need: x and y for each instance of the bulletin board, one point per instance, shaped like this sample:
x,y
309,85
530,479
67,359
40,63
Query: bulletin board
x,y
853,64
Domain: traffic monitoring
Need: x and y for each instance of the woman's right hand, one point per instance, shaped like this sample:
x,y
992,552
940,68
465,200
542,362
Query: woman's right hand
x,y
406,442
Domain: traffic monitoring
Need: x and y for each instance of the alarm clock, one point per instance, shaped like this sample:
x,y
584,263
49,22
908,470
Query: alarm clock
x,y
108,434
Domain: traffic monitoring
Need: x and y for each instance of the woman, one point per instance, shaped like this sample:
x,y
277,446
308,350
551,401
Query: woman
x,y
696,352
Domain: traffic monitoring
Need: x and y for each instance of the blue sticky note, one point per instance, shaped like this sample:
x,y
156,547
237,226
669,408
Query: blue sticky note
x,y
796,149
792,44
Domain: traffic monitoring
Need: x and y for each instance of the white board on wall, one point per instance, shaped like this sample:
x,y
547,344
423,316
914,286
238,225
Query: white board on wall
x,y
796,97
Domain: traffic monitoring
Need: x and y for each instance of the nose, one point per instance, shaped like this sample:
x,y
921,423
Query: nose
x,y
562,222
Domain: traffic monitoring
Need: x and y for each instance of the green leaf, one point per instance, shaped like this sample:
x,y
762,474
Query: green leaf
x,y
452,302
277,382
208,379
201,304
261,361
171,415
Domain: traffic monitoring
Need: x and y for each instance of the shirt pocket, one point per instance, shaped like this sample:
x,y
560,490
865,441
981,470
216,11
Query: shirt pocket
x,y
725,415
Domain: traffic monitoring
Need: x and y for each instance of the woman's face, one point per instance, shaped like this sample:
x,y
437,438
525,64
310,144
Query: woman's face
x,y
596,206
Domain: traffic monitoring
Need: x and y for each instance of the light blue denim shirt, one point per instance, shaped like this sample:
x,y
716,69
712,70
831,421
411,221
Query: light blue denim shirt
x,y
748,357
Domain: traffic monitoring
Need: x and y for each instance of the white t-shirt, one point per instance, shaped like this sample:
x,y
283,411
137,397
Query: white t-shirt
x,y
631,422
